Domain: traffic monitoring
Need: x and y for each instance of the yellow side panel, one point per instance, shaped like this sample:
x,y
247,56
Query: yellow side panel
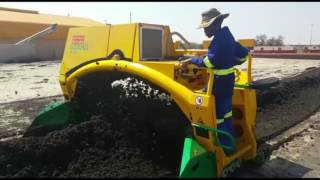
x,y
237,98
136,49
83,44
241,77
251,105
165,67
122,37
205,44
168,42
249,43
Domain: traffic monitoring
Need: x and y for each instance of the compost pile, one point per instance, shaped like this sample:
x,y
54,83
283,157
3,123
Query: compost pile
x,y
120,138
90,149
292,101
132,130
289,88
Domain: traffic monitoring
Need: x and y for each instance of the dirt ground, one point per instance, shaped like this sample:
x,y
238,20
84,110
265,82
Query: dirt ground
x,y
17,116
295,153
104,150
21,81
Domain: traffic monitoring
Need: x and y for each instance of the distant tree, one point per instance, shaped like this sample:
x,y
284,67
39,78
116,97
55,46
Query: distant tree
x,y
279,41
261,40
271,41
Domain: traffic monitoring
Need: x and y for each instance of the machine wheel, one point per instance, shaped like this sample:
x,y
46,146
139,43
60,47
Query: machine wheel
x,y
238,163
225,173
262,156
231,168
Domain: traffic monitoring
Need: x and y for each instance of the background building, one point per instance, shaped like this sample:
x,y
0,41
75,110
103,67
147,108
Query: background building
x,y
17,24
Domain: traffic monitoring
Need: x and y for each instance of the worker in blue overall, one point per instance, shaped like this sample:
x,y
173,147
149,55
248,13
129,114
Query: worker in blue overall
x,y
223,54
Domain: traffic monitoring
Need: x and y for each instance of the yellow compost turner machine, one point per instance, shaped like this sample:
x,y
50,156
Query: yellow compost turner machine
x,y
148,51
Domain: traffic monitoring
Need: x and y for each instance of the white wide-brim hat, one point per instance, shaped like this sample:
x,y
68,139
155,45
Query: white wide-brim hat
x,y
208,17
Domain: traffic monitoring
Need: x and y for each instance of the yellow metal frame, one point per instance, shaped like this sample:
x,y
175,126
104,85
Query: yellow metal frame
x,y
197,106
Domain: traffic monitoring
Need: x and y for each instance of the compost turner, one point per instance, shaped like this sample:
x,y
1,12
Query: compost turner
x,y
97,59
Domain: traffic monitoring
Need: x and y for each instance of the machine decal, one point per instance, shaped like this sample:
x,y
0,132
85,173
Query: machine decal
x,y
78,43
199,100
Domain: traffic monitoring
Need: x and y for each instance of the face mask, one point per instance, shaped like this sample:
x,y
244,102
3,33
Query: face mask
x,y
213,28
208,32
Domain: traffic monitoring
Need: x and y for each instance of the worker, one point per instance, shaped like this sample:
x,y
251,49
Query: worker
x,y
223,54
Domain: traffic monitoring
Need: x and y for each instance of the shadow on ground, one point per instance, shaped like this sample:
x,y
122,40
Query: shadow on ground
x,y
275,168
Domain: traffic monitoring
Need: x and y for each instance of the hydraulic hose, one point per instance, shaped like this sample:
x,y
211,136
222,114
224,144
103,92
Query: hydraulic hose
x,y
182,38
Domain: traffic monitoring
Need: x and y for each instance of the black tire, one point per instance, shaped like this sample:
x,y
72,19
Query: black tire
x,y
263,154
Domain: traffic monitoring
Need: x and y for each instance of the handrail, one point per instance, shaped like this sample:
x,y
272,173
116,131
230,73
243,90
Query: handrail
x,y
217,131
183,39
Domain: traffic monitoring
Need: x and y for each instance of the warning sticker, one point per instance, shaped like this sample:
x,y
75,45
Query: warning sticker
x,y
199,100
78,43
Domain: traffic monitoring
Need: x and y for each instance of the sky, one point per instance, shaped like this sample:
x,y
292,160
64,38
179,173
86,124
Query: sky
x,y
297,22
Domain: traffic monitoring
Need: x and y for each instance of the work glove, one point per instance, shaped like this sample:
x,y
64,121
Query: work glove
x,y
185,63
238,61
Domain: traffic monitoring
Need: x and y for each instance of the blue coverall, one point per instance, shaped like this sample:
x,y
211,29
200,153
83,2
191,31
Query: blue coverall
x,y
223,53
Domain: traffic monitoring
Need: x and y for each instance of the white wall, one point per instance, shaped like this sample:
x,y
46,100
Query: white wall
x,y
49,49
17,53
41,50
